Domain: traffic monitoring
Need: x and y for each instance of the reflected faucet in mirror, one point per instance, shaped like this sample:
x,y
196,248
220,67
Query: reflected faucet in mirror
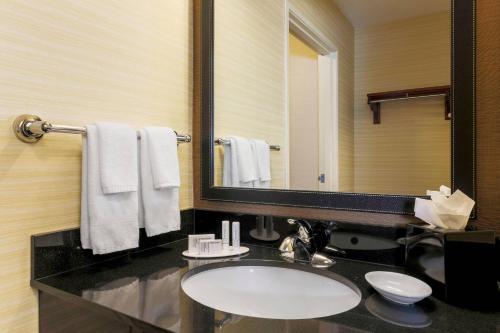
x,y
310,244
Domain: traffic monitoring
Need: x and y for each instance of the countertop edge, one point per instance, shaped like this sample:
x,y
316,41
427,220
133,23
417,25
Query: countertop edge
x,y
102,310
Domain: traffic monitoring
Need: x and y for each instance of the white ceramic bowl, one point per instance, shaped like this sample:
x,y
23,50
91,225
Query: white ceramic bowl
x,y
399,288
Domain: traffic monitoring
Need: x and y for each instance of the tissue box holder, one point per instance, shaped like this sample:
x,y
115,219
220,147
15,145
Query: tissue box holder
x,y
459,265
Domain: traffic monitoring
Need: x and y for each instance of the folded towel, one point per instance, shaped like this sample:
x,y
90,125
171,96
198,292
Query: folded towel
x,y
230,176
246,160
109,222
163,154
117,158
239,163
160,204
262,158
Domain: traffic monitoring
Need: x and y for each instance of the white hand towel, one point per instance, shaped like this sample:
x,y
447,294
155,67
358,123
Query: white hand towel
x,y
227,166
239,168
247,173
163,155
109,222
117,157
262,158
230,177
160,205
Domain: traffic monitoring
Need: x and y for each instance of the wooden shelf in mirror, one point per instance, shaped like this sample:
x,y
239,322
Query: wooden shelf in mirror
x,y
374,99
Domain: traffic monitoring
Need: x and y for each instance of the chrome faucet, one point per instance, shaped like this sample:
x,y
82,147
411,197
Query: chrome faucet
x,y
310,243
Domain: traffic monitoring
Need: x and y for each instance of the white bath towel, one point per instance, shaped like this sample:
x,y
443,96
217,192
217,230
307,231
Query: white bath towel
x,y
246,160
109,222
262,158
239,163
117,157
159,170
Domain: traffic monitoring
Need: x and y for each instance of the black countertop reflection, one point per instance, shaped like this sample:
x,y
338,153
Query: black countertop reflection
x,y
144,290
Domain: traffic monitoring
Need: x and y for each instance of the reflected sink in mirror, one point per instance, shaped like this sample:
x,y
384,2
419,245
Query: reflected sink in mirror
x,y
362,242
273,290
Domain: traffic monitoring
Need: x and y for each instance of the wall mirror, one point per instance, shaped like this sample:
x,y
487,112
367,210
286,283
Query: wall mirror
x,y
355,105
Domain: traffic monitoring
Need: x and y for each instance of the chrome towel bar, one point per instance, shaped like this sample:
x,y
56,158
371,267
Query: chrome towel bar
x,y
31,128
221,141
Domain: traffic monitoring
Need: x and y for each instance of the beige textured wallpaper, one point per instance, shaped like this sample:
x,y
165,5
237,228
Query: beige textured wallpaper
x,y
249,90
409,151
77,62
250,75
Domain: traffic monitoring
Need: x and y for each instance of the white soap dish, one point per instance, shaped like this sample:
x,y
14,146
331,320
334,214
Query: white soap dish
x,y
225,253
399,288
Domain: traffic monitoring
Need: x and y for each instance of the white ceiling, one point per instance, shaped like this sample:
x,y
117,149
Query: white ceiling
x,y
364,13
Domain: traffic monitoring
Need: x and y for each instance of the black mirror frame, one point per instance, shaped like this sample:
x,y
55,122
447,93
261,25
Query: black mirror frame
x,y
463,129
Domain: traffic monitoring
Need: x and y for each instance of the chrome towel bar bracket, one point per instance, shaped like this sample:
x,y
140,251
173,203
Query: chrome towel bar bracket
x,y
221,141
30,128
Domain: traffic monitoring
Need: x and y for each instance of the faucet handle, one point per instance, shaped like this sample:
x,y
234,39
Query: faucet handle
x,y
322,237
301,223
305,230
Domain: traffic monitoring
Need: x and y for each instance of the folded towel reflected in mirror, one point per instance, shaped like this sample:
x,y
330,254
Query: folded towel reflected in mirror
x,y
246,163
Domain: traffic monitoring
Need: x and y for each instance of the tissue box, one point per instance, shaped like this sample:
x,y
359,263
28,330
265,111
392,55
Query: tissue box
x,y
459,265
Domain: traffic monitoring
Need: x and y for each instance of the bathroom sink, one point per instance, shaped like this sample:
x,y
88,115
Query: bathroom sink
x,y
270,289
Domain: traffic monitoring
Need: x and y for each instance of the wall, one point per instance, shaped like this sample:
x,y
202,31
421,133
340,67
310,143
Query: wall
x,y
76,63
409,152
487,114
250,69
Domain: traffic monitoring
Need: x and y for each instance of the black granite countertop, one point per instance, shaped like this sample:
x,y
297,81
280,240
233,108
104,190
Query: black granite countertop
x,y
143,290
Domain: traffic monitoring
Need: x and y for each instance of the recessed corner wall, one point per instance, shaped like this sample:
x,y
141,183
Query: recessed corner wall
x,y
410,150
76,63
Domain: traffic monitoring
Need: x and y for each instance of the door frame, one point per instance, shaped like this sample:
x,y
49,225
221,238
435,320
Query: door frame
x,y
328,97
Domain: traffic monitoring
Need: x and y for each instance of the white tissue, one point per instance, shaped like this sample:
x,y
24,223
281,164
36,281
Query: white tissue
x,y
444,190
444,211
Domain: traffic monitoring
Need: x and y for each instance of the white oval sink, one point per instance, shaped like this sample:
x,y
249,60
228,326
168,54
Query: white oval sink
x,y
275,291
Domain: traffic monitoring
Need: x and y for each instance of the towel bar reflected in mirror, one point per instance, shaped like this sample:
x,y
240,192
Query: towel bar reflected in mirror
x,y
221,141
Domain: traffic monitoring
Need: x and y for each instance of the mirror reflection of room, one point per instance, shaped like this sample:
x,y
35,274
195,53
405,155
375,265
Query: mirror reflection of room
x,y
353,100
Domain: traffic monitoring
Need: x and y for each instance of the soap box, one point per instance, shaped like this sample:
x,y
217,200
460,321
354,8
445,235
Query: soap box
x,y
210,246
459,265
194,240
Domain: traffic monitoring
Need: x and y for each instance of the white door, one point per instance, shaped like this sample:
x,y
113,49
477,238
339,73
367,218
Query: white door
x,y
303,116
